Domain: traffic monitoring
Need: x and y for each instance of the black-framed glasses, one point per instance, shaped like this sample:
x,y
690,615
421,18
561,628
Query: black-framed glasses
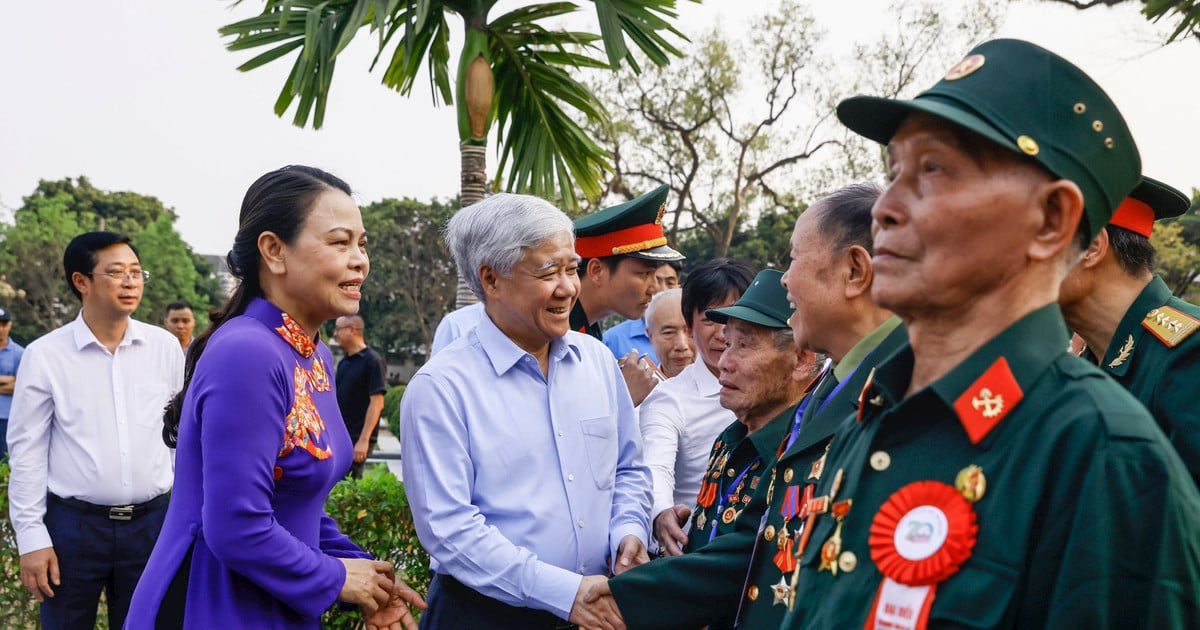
x,y
140,275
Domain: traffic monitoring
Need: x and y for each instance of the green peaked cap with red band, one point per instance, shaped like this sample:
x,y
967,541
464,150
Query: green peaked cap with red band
x,y
633,228
1028,100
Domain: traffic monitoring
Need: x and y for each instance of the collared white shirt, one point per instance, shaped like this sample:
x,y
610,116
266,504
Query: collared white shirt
x,y
680,419
87,424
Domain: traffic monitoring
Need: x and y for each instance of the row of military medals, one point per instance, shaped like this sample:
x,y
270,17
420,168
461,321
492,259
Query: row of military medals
x,y
710,488
805,507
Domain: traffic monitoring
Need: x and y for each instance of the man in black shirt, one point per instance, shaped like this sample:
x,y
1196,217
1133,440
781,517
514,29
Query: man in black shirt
x,y
360,389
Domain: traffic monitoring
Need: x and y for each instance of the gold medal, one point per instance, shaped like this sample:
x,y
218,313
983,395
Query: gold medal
x,y
700,521
769,533
729,515
971,483
833,547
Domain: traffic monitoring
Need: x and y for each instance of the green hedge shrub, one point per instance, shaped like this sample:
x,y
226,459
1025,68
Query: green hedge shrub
x,y
18,609
372,511
391,409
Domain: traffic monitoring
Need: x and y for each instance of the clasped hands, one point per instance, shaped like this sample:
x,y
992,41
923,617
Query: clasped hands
x,y
594,605
383,599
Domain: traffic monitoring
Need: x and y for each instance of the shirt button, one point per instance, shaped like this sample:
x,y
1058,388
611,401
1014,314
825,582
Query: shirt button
x,y
560,433
847,561
730,473
581,522
880,460
570,477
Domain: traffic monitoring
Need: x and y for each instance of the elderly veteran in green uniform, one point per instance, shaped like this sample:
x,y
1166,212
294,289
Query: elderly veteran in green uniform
x,y
1135,330
622,247
829,282
763,376
989,479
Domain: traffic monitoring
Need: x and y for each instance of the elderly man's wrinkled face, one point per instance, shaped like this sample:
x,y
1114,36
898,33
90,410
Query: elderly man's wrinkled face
x,y
812,283
956,220
533,305
756,372
669,337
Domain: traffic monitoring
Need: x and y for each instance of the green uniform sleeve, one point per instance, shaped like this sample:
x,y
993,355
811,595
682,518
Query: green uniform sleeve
x,y
695,589
1129,554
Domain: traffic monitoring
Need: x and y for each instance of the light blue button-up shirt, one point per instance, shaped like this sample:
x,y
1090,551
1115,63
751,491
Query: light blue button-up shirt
x,y
520,484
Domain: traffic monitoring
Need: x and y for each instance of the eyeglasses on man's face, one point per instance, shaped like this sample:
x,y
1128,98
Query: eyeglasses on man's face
x,y
136,275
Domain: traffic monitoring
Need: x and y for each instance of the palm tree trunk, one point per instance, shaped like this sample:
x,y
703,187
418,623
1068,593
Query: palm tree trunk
x,y
474,188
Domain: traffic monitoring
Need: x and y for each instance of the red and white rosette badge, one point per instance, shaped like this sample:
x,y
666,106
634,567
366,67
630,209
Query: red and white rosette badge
x,y
919,537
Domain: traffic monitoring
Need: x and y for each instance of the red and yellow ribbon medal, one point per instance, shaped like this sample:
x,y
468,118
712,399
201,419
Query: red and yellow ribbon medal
x,y
921,535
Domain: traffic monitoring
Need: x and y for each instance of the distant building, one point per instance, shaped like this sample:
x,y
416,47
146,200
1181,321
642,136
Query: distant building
x,y
221,271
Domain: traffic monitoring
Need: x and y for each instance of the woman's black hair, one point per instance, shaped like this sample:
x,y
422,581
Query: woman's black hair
x,y
277,202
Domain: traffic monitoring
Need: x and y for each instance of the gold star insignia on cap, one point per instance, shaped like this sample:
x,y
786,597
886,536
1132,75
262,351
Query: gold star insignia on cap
x,y
965,67
1027,145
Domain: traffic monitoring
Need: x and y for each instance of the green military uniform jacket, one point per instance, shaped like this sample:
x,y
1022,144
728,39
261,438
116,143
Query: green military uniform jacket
x,y
735,469
1156,356
579,322
1049,488
705,587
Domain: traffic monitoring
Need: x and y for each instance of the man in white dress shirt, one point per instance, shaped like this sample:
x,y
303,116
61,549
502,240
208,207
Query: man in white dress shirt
x,y
91,475
681,417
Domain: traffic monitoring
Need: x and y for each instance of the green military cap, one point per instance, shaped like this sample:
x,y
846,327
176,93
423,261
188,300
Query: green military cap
x,y
1151,201
633,228
1030,101
764,303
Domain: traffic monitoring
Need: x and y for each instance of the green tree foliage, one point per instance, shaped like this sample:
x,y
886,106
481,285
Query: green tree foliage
x,y
743,129
1178,255
18,609
412,279
31,263
57,211
512,69
1186,11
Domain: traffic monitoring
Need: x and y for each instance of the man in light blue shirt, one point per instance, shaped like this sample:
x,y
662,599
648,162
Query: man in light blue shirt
x,y
522,452
455,324
10,360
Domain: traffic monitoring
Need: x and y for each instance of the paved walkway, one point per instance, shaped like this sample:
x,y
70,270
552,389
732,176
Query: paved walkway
x,y
388,451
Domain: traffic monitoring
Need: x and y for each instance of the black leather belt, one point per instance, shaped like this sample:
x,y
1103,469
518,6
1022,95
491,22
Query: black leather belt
x,y
114,512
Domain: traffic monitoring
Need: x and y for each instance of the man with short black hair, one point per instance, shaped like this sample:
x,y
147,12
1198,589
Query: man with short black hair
x,y
180,320
1135,330
91,474
621,248
360,388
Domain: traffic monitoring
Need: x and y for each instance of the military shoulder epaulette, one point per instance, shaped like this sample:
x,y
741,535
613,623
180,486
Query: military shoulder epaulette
x,y
1170,325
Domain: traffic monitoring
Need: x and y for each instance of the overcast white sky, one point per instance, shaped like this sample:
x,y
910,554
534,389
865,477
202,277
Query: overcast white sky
x,y
141,95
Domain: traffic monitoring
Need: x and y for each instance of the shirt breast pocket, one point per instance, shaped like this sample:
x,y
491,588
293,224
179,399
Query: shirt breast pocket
x,y
600,441
151,399
979,595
